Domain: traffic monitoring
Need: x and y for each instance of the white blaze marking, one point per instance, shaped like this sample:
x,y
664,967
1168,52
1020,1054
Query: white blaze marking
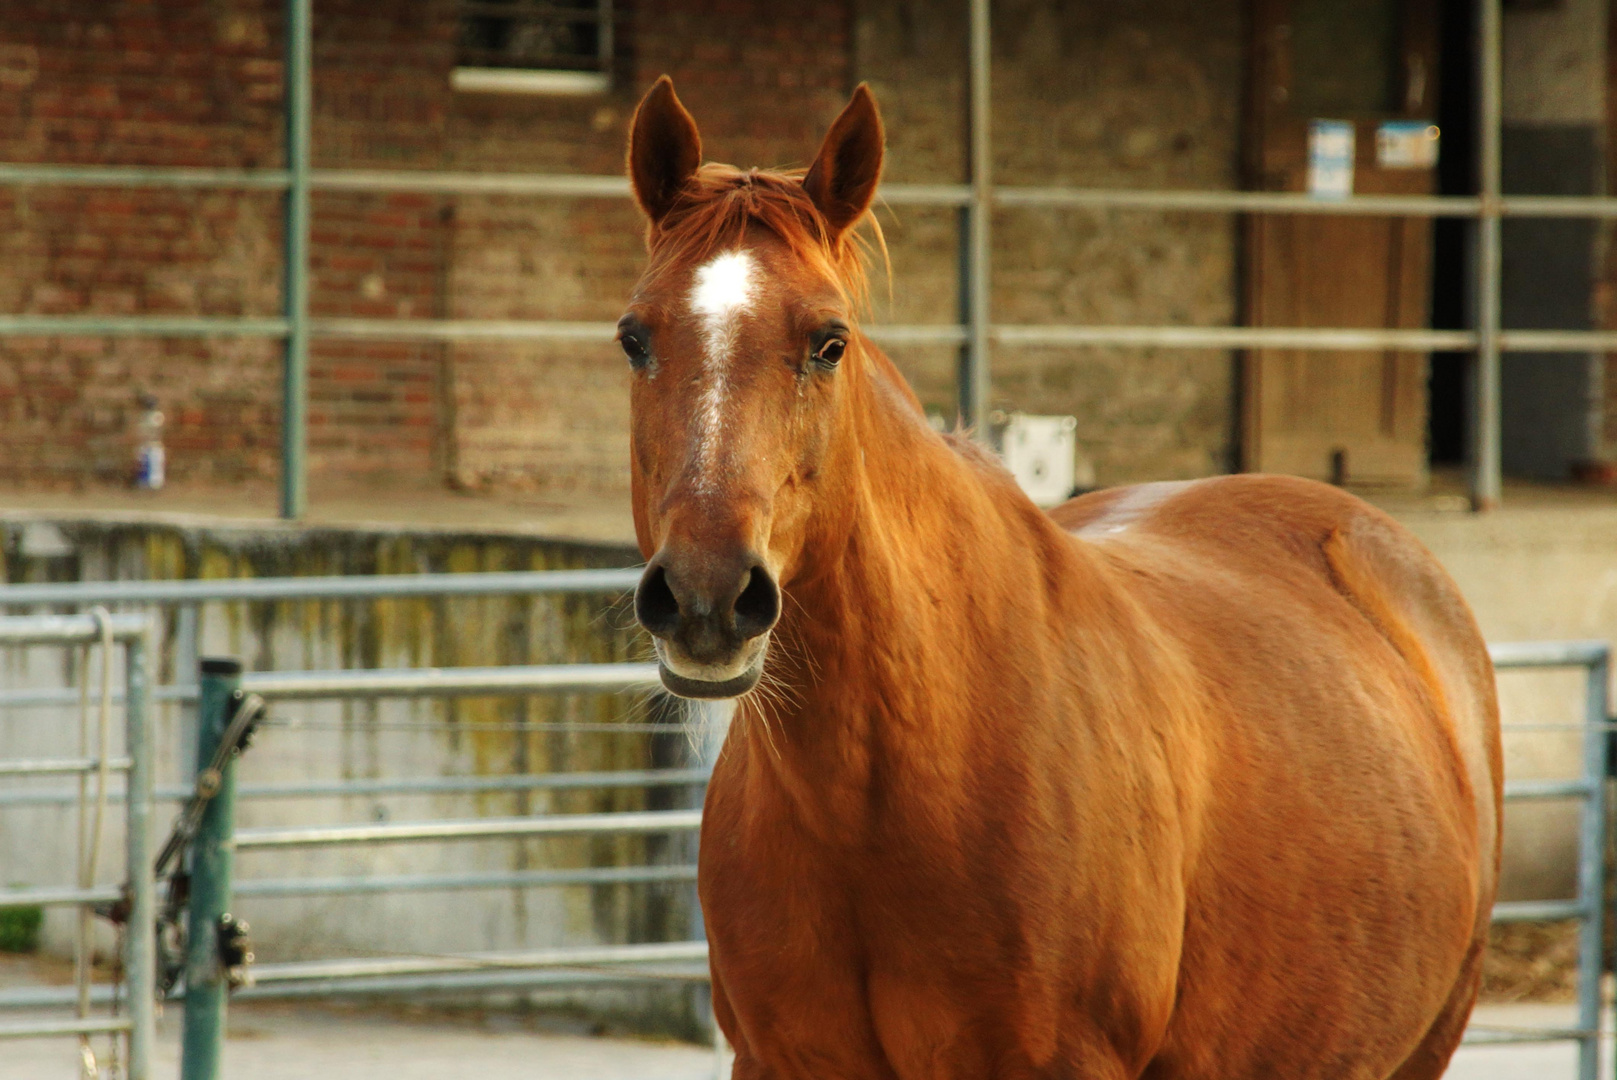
x,y
723,293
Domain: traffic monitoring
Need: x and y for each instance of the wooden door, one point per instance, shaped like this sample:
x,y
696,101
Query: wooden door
x,y
1354,416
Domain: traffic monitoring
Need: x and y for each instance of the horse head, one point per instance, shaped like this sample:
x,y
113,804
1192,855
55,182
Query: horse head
x,y
743,341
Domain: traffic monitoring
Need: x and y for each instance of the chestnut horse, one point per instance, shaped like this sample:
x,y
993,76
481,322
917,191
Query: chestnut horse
x,y
1182,780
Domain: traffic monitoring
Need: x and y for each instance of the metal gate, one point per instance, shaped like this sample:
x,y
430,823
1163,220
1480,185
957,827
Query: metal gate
x,y
134,634
676,960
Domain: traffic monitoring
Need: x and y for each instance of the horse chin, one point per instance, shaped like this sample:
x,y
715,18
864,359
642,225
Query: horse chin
x,y
708,689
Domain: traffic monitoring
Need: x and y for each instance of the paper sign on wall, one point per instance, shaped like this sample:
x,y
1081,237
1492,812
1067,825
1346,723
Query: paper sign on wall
x,y
1406,144
1330,159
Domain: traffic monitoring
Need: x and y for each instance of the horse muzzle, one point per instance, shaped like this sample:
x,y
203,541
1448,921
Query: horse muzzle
x,y
710,621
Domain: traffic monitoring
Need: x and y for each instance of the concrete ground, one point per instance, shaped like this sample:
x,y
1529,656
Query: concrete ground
x,y
294,1042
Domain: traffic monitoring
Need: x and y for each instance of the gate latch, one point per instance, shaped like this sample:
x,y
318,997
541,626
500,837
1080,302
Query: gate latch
x,y
235,951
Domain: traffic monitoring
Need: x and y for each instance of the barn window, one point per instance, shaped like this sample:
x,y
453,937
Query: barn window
x,y
535,46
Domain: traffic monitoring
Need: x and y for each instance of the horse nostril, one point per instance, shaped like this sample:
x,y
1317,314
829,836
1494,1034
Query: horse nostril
x,y
758,606
655,605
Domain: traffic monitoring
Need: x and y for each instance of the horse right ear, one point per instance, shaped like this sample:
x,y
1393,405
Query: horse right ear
x,y
664,150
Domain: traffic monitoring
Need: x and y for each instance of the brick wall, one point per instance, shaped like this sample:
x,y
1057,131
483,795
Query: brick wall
x,y
1093,94
193,83
140,84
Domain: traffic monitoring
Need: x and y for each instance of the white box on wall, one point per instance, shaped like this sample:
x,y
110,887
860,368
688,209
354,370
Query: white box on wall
x,y
1041,452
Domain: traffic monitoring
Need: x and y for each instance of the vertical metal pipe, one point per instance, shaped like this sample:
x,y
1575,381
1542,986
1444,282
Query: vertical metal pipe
x,y
212,862
295,378
1485,452
606,40
1591,867
975,380
140,940
187,654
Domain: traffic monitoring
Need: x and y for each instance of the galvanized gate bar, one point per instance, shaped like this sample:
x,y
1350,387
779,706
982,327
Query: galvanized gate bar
x,y
61,766
222,590
633,821
440,682
59,895
525,879
1527,654
586,956
420,785
134,633
1589,905
68,629
52,1028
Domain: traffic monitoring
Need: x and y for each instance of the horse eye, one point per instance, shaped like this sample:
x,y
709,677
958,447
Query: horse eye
x,y
634,349
829,353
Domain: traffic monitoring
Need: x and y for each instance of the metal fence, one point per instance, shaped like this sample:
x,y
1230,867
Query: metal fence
x,y
138,988
528,969
974,331
1589,906
679,961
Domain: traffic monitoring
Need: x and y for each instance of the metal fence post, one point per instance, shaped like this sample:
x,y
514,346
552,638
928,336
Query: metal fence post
x,y
295,390
1591,867
212,859
976,378
140,941
1485,404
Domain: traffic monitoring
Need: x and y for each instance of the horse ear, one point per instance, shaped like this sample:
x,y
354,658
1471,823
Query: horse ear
x,y
842,180
664,150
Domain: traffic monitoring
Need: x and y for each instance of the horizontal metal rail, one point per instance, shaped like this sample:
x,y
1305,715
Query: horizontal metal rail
x,y
50,1029
425,786
442,682
40,997
1499,1035
613,186
639,821
57,697
494,979
587,956
528,879
1530,654
69,629
1012,335
1549,789
61,766
1512,911
59,896
222,590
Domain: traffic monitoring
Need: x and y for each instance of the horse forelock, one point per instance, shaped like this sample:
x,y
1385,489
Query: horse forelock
x,y
721,204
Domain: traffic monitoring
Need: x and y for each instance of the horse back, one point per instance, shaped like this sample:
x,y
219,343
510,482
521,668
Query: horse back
x,y
1347,681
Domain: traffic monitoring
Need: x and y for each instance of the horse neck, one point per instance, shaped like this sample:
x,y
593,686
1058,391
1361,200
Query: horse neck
x,y
943,555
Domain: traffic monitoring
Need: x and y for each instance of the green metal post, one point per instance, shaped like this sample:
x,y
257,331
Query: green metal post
x,y
295,384
212,860
975,380
140,942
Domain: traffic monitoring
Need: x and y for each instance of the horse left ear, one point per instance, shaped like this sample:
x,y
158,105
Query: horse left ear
x,y
842,180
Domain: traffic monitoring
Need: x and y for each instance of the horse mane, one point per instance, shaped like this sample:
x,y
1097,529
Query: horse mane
x,y
721,202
